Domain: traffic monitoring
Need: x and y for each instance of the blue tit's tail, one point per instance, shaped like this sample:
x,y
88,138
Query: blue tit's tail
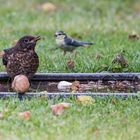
x,y
86,43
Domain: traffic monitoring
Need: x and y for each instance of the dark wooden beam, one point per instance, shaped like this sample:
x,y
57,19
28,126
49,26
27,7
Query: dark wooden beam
x,y
79,76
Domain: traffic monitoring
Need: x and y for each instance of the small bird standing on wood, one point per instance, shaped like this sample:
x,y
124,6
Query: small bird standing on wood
x,y
22,58
67,43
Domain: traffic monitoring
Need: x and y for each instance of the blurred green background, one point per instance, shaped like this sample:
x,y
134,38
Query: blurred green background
x,y
106,22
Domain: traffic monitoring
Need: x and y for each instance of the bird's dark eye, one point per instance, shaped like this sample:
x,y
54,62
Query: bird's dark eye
x,y
26,40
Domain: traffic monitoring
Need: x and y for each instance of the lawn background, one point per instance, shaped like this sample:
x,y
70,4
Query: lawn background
x,y
106,22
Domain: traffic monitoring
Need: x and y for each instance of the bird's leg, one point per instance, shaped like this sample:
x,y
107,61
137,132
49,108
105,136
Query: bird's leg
x,y
21,96
64,53
75,53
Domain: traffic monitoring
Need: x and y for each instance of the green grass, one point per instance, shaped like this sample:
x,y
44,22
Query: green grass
x,y
106,22
105,119
108,118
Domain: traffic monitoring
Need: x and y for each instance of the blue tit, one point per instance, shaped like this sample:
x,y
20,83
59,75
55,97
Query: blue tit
x,y
68,44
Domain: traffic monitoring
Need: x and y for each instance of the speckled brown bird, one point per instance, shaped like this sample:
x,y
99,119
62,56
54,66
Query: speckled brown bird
x,y
22,58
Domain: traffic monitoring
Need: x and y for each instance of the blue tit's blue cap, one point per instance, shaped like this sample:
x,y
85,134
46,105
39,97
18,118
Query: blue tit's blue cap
x,y
60,33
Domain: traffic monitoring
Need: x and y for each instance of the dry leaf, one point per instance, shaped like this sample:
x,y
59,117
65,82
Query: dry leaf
x,y
120,59
104,66
115,101
70,64
133,36
99,56
24,115
58,109
85,87
75,86
120,86
48,7
85,99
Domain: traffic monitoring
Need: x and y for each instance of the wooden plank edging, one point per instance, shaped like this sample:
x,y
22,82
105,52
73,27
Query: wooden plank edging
x,y
79,76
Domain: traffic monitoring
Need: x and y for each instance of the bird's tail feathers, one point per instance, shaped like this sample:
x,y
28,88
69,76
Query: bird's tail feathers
x,y
87,43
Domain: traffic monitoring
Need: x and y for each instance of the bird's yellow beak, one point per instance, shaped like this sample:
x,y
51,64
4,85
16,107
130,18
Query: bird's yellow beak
x,y
37,38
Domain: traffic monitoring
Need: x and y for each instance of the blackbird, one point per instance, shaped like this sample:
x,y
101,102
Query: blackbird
x,y
22,58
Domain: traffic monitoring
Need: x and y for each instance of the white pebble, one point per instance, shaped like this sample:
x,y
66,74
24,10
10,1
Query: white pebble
x,y
64,86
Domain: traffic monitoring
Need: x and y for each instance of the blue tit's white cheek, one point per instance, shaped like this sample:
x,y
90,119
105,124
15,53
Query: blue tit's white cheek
x,y
60,39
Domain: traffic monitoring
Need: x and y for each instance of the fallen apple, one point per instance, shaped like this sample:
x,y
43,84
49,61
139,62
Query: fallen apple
x,y
24,115
20,83
58,109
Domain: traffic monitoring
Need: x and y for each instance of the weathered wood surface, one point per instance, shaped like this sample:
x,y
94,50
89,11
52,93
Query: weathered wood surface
x,y
79,76
49,81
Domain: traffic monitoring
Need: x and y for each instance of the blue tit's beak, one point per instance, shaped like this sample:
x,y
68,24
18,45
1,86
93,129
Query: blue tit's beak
x,y
55,35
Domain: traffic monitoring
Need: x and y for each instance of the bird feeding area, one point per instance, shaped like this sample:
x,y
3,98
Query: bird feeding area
x,y
65,85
